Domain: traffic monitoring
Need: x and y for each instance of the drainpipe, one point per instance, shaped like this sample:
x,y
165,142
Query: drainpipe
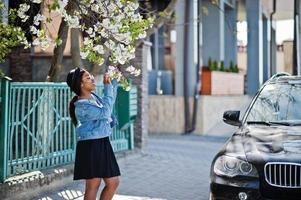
x,y
296,47
198,83
271,43
186,67
158,72
158,88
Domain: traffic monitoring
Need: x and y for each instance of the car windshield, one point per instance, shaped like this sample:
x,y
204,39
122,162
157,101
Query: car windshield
x,y
277,104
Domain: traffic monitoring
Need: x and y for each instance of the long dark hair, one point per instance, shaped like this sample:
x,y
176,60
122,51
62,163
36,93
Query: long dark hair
x,y
74,79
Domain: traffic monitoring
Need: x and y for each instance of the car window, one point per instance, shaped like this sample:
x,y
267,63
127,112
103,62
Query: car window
x,y
277,102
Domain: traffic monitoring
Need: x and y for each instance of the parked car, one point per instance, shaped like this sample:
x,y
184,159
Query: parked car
x,y
262,159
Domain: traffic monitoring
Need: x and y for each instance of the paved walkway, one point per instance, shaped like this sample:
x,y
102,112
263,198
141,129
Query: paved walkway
x,y
171,168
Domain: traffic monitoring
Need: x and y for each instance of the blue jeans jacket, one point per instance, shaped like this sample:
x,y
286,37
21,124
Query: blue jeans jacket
x,y
95,116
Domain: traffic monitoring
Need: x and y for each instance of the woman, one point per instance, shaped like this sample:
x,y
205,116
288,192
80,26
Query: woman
x,y
95,159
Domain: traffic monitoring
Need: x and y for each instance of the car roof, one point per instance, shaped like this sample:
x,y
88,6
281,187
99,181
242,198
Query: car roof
x,y
286,79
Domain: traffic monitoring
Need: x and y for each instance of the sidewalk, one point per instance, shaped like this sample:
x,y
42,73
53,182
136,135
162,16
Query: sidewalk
x,y
171,168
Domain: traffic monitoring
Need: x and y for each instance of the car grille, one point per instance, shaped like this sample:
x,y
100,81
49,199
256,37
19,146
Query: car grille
x,y
281,174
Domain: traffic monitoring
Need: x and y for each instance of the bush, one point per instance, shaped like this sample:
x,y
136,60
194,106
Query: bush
x,y
220,66
215,66
236,70
210,64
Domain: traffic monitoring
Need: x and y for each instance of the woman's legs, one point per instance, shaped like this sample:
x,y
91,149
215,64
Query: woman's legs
x,y
92,186
110,188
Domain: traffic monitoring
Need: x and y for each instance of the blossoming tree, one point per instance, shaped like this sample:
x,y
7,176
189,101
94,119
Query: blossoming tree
x,y
110,30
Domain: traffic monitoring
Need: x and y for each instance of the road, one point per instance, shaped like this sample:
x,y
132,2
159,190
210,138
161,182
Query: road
x,y
174,167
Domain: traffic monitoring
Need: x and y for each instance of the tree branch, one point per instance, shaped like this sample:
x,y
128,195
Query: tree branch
x,y
75,48
160,20
58,53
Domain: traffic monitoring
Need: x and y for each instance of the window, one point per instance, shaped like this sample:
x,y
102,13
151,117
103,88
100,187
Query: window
x,y
277,102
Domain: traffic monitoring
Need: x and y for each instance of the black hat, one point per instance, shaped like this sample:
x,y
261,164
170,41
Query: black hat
x,y
74,80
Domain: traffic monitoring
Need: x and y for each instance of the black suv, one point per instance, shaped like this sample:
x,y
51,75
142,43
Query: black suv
x,y
262,159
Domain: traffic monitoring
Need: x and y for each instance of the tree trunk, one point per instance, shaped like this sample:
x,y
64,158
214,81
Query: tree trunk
x,y
58,53
46,112
75,48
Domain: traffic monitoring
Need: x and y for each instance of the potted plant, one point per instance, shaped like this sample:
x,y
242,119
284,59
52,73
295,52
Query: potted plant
x,y
220,80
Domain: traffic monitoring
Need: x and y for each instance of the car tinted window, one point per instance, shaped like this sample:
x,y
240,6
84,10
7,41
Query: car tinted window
x,y
277,102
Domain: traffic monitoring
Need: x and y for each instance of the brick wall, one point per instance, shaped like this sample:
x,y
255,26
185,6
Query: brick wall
x,y
20,64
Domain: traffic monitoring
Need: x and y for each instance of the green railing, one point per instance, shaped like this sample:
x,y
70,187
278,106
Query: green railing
x,y
36,131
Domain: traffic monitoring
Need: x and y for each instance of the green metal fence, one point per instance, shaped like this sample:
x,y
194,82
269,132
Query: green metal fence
x,y
36,131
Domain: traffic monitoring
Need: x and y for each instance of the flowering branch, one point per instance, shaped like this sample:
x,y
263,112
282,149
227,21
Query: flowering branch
x,y
110,30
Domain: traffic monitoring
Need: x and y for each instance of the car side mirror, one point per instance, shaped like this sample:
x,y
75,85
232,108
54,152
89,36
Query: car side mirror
x,y
232,117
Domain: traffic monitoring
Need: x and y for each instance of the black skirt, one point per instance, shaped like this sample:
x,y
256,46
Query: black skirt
x,y
95,159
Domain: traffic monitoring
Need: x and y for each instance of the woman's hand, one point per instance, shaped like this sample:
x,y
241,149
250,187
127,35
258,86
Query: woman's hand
x,y
106,79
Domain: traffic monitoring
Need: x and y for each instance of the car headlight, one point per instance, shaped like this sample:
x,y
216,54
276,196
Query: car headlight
x,y
230,166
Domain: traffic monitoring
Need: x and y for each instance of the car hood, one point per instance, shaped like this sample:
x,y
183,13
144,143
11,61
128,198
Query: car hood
x,y
272,143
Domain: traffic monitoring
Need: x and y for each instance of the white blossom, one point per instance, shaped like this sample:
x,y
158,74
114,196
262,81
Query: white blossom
x,y
99,49
84,10
45,43
130,69
95,8
62,3
24,7
119,17
111,68
26,44
38,18
128,88
103,11
89,31
36,42
106,23
114,73
24,41
40,33
104,33
111,7
109,31
87,41
133,5
136,17
133,70
92,35
110,44
123,37
111,71
118,3
36,1
73,21
142,35
22,10
33,30
84,55
137,72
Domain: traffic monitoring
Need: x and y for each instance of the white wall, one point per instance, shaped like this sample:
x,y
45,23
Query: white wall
x,y
166,113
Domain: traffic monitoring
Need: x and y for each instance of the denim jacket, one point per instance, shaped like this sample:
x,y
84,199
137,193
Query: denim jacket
x,y
95,119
